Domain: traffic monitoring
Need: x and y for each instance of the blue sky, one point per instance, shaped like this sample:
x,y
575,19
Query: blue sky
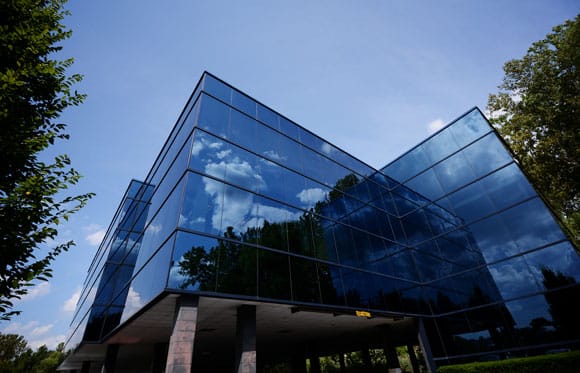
x,y
372,77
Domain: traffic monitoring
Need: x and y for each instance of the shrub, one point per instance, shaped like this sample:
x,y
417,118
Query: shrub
x,y
567,362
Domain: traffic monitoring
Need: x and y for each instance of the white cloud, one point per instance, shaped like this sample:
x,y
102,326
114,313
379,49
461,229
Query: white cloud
x,y
196,148
95,238
92,227
224,153
215,145
40,330
35,334
435,126
133,304
273,214
154,228
49,341
272,154
36,291
71,303
310,196
327,148
18,328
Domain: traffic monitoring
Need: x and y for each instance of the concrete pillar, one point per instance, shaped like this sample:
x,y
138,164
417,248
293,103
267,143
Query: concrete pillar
x,y
110,359
413,358
180,351
425,347
246,339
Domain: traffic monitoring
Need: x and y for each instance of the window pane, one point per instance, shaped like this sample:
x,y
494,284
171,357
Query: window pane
x,y
440,146
244,103
194,263
267,116
288,128
507,186
217,88
330,285
408,165
469,128
513,278
214,116
199,210
274,275
427,185
555,266
531,225
243,130
487,155
237,265
454,172
305,286
471,202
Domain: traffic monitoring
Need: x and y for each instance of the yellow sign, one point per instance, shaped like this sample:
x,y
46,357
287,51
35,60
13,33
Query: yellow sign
x,y
363,314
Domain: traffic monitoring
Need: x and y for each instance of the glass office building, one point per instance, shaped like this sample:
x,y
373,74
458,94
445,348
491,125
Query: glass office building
x,y
448,246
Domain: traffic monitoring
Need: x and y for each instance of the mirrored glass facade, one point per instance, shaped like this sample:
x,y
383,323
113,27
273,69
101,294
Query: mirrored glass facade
x,y
245,204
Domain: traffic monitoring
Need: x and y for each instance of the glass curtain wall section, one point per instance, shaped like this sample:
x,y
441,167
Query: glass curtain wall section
x,y
243,203
151,225
103,297
495,279
272,207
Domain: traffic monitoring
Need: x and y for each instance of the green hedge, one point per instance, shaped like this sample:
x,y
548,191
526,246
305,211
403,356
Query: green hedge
x,y
567,362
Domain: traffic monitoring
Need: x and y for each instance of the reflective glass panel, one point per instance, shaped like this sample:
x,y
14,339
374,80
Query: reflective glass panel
x,y
216,88
244,103
408,165
237,266
267,116
214,116
531,225
199,209
469,128
288,128
440,146
454,172
533,315
243,130
555,266
149,282
330,284
514,278
161,226
493,238
486,155
305,285
427,185
194,264
471,202
273,275
507,186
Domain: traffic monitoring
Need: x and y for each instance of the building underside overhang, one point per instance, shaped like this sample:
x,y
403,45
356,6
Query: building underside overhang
x,y
282,330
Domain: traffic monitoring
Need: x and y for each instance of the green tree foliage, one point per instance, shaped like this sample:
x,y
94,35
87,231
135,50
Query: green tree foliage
x,y
12,346
34,90
17,357
537,111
